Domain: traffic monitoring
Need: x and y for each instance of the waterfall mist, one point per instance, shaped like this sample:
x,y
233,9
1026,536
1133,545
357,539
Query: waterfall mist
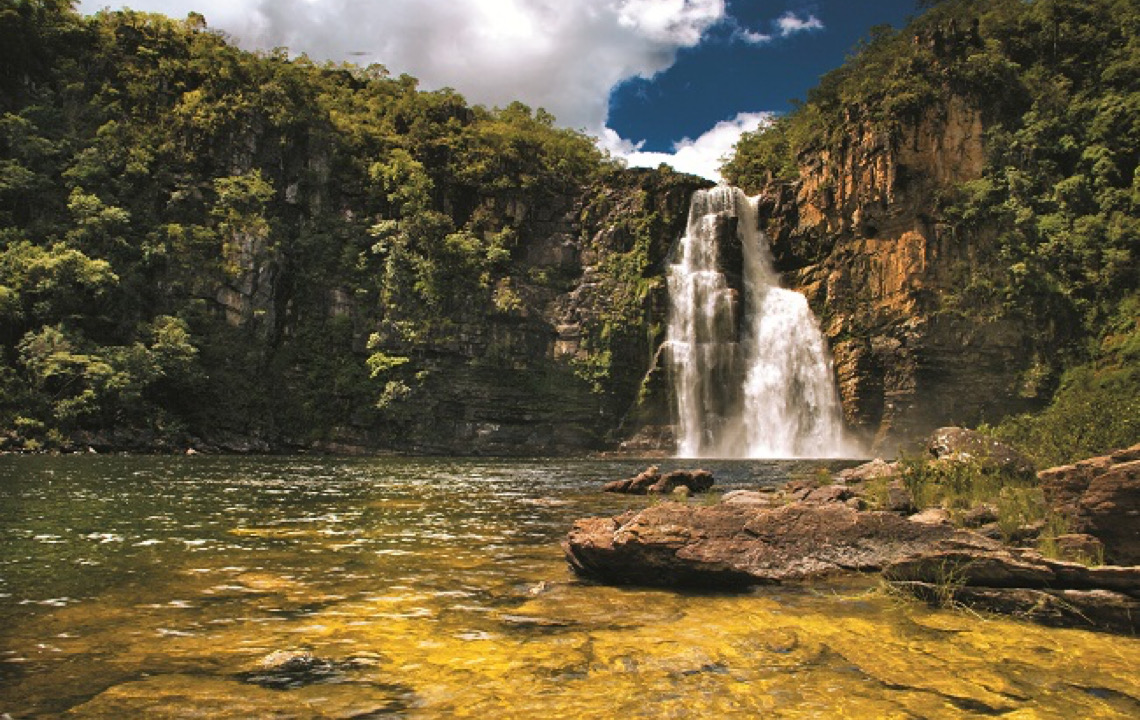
x,y
751,372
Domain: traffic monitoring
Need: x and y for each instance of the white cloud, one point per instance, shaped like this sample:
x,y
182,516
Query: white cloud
x,y
790,24
702,156
562,55
784,26
679,22
751,37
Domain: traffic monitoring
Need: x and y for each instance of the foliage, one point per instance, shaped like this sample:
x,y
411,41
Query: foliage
x,y
1096,409
1052,226
199,239
629,273
959,485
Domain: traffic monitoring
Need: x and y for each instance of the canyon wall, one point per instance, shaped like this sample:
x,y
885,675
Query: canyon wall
x,y
560,363
858,234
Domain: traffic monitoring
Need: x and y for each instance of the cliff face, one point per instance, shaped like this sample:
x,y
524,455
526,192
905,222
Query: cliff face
x,y
558,366
857,234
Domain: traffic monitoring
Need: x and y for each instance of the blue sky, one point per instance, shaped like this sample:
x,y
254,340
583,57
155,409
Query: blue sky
x,y
672,81
725,74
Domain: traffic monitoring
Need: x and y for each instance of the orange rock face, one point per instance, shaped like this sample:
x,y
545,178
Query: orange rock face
x,y
858,234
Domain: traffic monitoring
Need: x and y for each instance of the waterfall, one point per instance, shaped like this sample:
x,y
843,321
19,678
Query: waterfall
x,y
751,372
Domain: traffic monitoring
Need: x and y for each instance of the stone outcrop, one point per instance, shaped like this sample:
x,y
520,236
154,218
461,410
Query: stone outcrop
x,y
738,544
1023,583
1100,497
1100,609
652,482
877,468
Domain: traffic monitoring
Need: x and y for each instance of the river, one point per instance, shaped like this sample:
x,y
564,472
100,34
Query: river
x,y
156,587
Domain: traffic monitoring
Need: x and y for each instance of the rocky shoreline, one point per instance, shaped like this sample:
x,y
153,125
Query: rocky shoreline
x,y
808,531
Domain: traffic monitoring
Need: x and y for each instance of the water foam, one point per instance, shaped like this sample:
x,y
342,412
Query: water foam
x,y
752,375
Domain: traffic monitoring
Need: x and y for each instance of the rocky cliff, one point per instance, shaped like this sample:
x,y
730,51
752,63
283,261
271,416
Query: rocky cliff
x,y
857,234
562,370
557,365
209,247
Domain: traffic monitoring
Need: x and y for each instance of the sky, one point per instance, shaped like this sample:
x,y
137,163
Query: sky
x,y
673,81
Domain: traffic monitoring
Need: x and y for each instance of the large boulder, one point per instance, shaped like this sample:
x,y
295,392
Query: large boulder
x,y
1100,497
733,545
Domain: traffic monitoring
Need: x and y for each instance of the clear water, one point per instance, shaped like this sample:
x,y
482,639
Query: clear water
x,y
752,375
154,587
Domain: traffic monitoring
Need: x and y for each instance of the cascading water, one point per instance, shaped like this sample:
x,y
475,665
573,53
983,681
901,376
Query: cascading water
x,y
751,371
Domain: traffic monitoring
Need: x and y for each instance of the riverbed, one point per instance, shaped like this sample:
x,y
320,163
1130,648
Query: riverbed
x,y
258,587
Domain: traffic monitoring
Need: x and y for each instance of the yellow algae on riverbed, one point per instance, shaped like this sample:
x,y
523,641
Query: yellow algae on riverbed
x,y
578,650
466,609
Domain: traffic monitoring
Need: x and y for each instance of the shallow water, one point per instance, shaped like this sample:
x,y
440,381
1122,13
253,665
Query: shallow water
x,y
155,587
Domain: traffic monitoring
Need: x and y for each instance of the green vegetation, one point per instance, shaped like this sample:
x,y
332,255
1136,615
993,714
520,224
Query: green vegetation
x,y
964,486
1097,407
1052,226
626,317
196,239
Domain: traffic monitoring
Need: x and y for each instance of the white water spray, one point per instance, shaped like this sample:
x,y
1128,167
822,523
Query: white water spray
x,y
752,375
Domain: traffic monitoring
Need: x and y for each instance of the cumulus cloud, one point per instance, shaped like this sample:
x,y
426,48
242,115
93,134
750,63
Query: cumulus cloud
x,y
563,56
702,156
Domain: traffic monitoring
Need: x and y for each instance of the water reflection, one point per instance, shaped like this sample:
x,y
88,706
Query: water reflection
x,y
160,587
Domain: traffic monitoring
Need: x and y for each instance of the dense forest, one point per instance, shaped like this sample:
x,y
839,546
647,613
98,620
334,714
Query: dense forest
x,y
205,246
1053,223
194,238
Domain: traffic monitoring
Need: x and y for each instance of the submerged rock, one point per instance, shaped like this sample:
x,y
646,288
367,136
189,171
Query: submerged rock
x,y
651,481
289,668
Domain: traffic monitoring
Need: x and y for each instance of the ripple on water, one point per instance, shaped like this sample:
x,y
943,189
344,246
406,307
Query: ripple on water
x,y
446,577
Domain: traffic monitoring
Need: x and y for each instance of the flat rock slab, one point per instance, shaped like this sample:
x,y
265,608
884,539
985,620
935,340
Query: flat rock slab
x,y
733,545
